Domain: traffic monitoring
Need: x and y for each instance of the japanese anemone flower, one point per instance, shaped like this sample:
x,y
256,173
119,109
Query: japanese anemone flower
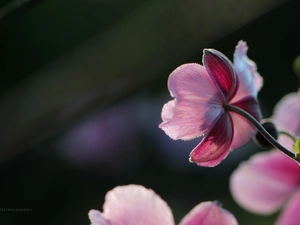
x,y
271,180
134,204
201,94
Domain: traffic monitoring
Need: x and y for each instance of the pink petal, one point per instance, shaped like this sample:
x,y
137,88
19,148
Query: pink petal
x,y
215,146
134,204
290,214
244,130
264,182
97,218
197,104
250,82
287,113
208,213
221,71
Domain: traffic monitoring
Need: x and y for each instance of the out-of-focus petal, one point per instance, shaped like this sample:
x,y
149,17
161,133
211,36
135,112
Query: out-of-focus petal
x,y
215,146
197,104
243,129
208,213
97,218
287,113
221,71
263,183
286,117
250,82
134,204
106,140
290,214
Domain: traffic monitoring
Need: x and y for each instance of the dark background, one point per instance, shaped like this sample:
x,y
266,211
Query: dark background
x,y
82,85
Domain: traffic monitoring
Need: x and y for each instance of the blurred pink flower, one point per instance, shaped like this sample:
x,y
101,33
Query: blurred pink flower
x,y
134,204
201,92
106,140
270,180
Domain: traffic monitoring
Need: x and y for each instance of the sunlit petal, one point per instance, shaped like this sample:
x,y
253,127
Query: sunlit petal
x,y
196,106
134,204
208,213
250,82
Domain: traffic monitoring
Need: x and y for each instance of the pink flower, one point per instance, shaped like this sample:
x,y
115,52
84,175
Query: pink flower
x,y
136,205
201,92
106,140
270,180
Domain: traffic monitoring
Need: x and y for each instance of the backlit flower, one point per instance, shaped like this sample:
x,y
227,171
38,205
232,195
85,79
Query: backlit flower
x,y
200,94
136,205
270,180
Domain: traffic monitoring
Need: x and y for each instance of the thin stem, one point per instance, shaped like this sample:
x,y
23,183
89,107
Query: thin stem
x,y
262,130
288,134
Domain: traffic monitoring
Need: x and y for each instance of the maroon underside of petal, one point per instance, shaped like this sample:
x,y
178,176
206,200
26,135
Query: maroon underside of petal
x,y
215,146
250,105
222,72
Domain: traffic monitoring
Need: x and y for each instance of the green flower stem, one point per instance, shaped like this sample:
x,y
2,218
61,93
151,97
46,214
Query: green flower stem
x,y
262,130
286,133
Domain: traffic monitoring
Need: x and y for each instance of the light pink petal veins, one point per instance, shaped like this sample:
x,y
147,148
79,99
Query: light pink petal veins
x,y
208,213
214,147
264,182
250,82
134,204
196,106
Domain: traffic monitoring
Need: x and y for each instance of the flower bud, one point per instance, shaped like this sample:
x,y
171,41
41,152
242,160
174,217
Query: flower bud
x,y
271,129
